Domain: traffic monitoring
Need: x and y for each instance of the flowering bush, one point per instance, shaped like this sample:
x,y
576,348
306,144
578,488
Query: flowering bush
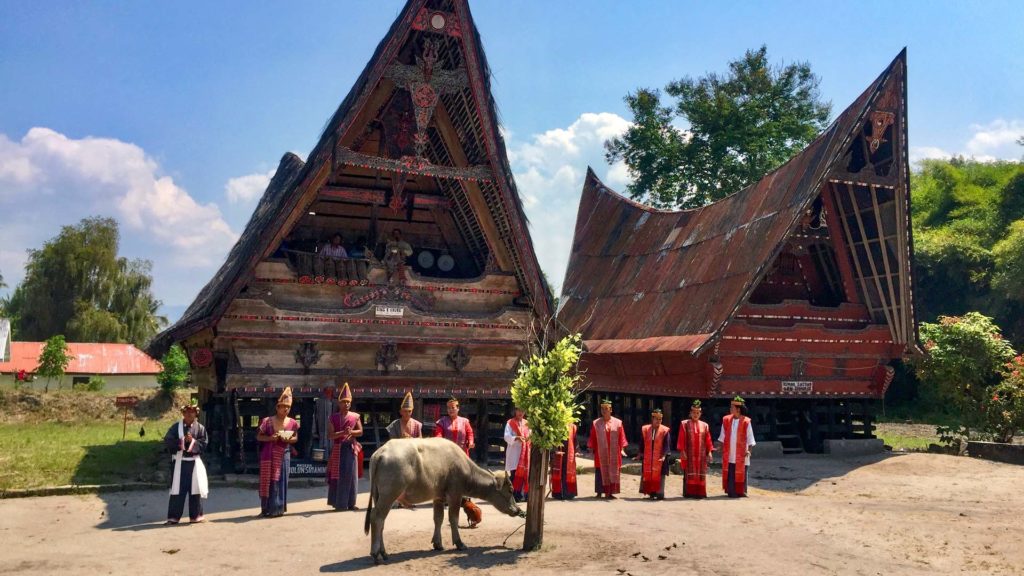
x,y
1004,408
964,362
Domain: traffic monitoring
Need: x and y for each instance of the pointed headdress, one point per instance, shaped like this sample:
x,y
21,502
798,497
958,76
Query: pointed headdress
x,y
345,394
407,403
286,397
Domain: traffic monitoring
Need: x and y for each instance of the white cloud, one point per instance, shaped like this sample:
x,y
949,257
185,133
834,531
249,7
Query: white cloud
x,y
918,153
549,171
248,188
997,139
990,142
48,180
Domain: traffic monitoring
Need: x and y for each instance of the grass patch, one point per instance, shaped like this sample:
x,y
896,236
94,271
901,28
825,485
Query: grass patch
x,y
916,414
54,453
910,437
907,443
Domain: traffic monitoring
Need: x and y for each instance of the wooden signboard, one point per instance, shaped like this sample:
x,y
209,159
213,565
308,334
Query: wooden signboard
x,y
125,402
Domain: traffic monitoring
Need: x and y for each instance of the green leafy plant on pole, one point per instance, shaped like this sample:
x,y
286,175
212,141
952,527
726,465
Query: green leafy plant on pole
x,y
54,360
175,372
545,388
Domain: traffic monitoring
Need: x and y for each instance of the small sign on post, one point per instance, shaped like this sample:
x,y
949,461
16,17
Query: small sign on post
x,y
125,402
794,387
385,311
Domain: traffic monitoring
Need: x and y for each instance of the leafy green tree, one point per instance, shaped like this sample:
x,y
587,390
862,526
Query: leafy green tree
x,y
1009,263
964,360
741,125
54,360
76,285
953,273
966,242
545,388
175,372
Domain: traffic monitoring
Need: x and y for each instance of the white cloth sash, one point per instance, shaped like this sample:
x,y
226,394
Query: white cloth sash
x,y
200,485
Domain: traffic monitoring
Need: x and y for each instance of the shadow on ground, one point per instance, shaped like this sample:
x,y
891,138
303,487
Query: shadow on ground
x,y
481,558
134,511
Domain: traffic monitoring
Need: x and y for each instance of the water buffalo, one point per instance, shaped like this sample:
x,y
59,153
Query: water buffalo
x,y
429,469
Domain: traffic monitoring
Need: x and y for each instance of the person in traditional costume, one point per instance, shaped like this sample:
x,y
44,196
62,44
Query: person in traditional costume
x,y
563,468
695,449
276,435
607,442
517,455
458,429
186,440
455,428
736,438
345,465
657,440
405,426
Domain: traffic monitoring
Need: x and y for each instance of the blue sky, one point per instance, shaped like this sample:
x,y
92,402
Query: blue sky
x,y
170,116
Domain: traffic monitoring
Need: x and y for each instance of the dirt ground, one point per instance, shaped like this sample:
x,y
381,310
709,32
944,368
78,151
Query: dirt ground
x,y
892,514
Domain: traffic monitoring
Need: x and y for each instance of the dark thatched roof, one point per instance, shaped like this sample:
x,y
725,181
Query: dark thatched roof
x,y
641,279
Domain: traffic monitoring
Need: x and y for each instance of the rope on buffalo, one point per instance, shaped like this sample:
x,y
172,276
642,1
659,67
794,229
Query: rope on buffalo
x,y
546,496
511,534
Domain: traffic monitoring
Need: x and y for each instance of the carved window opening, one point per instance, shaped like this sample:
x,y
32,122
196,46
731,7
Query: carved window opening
x,y
839,369
799,367
757,368
827,269
387,357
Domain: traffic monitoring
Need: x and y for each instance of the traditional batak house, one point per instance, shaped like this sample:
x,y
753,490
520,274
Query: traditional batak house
x,y
445,310
794,293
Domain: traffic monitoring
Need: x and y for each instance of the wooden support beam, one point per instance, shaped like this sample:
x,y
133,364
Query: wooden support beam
x,y
450,233
372,196
897,319
337,222
365,211
902,241
347,157
865,243
472,190
853,248
842,255
307,190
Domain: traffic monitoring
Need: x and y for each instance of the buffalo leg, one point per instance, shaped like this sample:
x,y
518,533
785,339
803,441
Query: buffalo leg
x,y
380,514
454,506
438,518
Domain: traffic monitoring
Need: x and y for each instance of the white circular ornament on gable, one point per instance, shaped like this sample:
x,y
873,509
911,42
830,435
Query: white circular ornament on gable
x,y
437,22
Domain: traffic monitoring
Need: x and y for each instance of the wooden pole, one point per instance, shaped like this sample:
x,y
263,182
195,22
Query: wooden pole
x,y
533,538
124,430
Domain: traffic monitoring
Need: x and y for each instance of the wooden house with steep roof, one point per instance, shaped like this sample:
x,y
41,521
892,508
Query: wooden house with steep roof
x,y
795,292
446,310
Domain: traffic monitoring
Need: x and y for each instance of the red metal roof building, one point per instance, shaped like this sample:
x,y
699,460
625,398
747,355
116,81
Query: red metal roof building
x,y
87,359
797,287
